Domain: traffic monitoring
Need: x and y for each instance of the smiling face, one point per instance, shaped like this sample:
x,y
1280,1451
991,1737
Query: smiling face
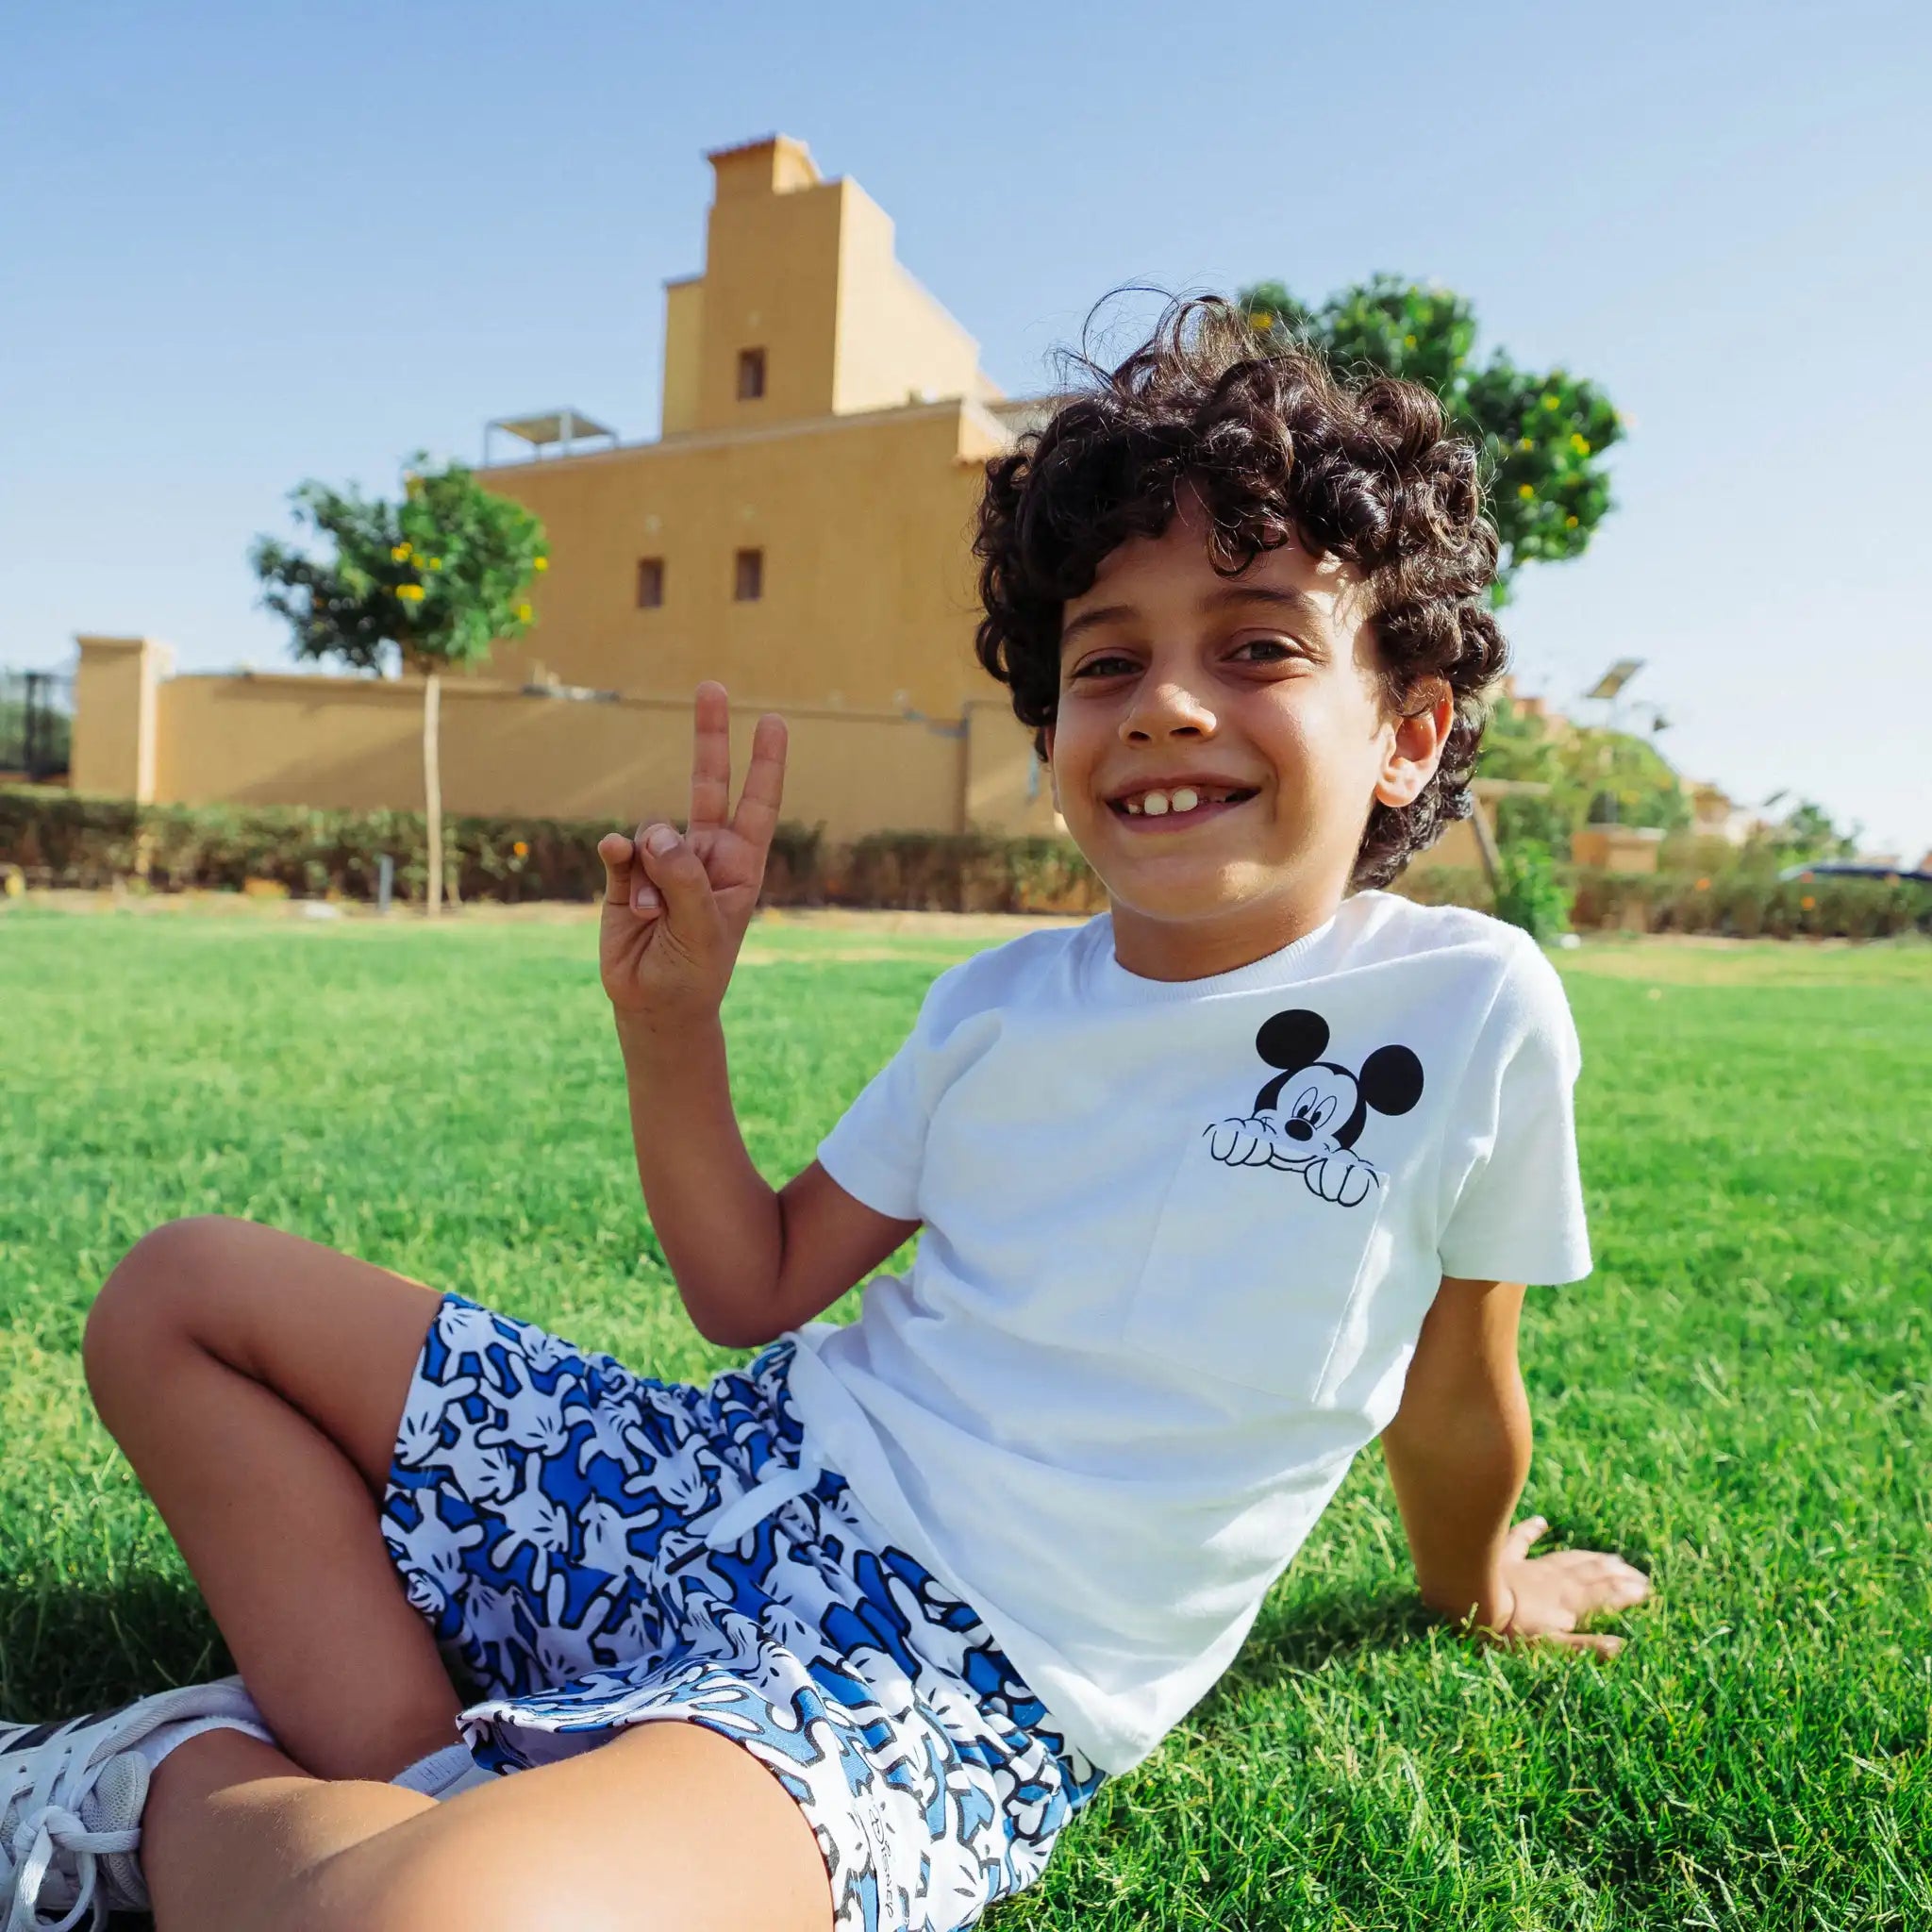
x,y
1219,742
1317,1110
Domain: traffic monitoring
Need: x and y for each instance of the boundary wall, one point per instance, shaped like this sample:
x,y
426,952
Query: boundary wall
x,y
354,743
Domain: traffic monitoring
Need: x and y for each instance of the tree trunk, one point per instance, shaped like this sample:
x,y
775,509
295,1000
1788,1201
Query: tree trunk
x,y
432,789
1485,845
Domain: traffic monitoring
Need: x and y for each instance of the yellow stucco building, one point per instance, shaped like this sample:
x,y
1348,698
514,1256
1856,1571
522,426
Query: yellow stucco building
x,y
801,529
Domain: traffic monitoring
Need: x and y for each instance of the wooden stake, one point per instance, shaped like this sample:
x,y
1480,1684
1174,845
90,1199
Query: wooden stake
x,y
432,789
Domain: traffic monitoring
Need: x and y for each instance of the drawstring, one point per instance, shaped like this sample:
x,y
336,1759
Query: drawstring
x,y
769,1493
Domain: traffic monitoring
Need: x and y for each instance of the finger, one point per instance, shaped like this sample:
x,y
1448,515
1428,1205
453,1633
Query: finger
x,y
680,878
1526,1532
1601,1643
1573,1565
644,894
617,852
1598,1575
710,755
1621,1591
1613,1573
756,817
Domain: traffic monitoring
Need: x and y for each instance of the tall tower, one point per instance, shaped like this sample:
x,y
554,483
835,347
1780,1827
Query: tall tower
x,y
803,310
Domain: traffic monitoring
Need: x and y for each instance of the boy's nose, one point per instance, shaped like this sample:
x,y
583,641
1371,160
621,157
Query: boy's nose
x,y
1165,708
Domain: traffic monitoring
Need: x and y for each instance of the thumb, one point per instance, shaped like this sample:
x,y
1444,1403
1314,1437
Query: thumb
x,y
679,876
1516,1545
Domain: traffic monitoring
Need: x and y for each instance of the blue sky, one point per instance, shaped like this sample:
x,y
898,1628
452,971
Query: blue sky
x,y
244,246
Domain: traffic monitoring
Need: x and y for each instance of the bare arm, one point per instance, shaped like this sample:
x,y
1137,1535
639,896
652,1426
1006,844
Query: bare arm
x,y
1458,1456
1459,1448
749,1262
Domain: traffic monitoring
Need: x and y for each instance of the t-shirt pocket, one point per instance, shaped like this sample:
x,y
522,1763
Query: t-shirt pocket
x,y
1255,1266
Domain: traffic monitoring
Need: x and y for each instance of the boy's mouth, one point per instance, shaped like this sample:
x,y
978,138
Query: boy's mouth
x,y
1164,807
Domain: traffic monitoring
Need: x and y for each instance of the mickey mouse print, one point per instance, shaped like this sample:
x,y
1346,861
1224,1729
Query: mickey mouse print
x,y
1308,1118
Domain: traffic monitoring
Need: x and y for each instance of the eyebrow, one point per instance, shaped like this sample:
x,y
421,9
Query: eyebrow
x,y
1297,602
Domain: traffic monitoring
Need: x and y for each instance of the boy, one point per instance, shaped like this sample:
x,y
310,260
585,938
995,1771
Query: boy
x,y
1216,1188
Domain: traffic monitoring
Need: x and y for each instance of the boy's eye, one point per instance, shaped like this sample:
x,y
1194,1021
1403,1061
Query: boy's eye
x,y
1105,666
1111,663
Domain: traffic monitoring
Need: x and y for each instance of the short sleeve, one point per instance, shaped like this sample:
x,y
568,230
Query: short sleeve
x,y
1517,1214
877,1149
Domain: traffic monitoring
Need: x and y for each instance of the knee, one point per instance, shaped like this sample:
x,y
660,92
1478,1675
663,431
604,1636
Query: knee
x,y
149,1300
439,1884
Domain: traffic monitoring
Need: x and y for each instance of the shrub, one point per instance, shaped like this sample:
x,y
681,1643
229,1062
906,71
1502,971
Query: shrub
x,y
966,871
1748,902
1446,885
65,839
1529,893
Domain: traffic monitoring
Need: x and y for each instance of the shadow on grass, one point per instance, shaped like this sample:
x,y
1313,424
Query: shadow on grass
x,y
72,1647
1297,1637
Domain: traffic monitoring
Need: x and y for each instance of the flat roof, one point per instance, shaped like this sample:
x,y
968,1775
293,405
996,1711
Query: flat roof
x,y
553,426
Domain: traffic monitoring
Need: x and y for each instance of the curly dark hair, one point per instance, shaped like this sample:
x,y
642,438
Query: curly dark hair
x,y
1277,445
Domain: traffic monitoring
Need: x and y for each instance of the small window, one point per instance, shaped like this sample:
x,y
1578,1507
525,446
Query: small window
x,y
749,584
751,375
650,582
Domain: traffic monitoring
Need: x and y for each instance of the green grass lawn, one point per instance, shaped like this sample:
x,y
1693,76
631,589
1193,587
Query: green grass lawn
x,y
1736,1400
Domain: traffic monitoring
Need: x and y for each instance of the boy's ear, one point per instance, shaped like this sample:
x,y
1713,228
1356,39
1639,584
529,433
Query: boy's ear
x,y
1415,748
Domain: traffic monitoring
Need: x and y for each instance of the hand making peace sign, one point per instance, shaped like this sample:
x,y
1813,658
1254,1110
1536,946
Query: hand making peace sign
x,y
676,909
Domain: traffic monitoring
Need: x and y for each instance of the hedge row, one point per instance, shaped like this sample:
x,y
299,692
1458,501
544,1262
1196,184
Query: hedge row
x,y
63,838
59,838
1751,905
1739,903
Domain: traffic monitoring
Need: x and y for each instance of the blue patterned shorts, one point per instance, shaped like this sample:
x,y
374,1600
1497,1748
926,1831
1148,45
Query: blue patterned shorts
x,y
595,1549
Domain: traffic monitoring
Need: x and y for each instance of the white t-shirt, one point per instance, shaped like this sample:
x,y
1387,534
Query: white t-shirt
x,y
1180,1237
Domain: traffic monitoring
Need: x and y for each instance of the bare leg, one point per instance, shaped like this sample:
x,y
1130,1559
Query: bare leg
x,y
670,1827
232,1825
256,1381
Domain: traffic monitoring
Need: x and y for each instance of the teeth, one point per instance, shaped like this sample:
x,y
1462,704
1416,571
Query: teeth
x,y
1182,798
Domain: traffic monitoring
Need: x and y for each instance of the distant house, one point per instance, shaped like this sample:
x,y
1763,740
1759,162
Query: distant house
x,y
1715,815
1553,721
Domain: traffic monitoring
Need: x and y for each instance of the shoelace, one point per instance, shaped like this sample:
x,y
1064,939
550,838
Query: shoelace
x,y
767,1493
40,1819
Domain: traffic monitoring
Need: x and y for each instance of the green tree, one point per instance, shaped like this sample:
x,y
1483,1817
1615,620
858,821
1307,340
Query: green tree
x,y
1594,776
436,579
1518,746
1541,437
1807,832
1528,892
52,732
1627,780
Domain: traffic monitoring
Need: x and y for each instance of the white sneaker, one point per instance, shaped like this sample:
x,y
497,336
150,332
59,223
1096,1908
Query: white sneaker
x,y
71,1799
